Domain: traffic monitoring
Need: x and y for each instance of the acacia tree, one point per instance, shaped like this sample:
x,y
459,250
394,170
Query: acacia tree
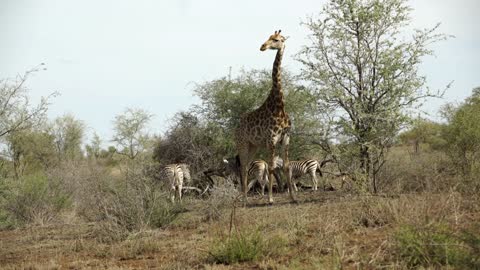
x,y
422,131
17,113
93,149
361,66
68,134
30,150
16,110
130,132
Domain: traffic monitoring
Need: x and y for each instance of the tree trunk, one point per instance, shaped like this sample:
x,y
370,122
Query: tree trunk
x,y
364,159
366,167
416,146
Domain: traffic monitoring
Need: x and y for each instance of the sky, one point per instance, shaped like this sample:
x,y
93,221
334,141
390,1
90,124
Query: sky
x,y
105,56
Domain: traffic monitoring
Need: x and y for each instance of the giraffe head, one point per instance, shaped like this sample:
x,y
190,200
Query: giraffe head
x,y
274,42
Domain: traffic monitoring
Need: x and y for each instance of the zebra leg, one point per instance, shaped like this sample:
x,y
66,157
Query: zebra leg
x,y
314,181
172,194
179,192
250,185
294,183
265,181
271,166
286,166
262,185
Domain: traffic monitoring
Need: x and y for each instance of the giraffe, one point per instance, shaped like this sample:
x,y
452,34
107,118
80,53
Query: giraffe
x,y
267,126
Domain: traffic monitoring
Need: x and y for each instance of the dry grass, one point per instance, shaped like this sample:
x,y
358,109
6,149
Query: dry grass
x,y
326,230
123,221
427,170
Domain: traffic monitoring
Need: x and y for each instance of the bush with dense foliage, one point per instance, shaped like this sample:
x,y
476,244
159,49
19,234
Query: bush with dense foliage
x,y
462,134
34,198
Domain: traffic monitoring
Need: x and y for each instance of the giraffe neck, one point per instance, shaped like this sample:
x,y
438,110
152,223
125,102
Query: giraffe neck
x,y
276,94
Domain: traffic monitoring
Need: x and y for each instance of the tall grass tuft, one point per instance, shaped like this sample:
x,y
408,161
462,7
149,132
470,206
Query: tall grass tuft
x,y
244,246
239,247
437,245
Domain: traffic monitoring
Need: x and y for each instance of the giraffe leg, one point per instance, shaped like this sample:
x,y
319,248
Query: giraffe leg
x,y
243,156
244,172
271,166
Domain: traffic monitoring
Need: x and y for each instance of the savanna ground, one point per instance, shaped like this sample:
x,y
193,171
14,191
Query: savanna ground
x,y
324,230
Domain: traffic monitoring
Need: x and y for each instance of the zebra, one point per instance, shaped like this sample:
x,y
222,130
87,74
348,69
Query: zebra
x,y
299,168
257,169
175,174
186,172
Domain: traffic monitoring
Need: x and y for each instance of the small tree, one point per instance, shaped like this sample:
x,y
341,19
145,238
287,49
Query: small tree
x,y
462,134
94,148
360,65
422,131
189,139
68,133
30,150
130,132
16,112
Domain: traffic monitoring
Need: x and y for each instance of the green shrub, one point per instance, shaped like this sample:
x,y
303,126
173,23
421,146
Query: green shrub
x,y
471,240
34,199
163,213
437,246
5,220
244,247
239,247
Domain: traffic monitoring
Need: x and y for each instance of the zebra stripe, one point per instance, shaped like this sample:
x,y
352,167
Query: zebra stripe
x,y
174,176
186,172
298,168
257,169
